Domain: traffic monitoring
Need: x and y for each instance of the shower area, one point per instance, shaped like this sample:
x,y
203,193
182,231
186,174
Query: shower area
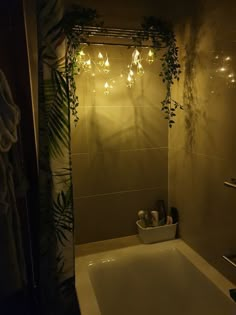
x,y
124,155
117,154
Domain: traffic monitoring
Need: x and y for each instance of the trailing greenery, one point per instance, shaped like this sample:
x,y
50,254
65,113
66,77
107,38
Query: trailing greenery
x,y
77,15
159,32
162,36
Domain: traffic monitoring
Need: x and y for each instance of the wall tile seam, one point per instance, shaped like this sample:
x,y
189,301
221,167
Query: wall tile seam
x,y
206,156
118,151
121,192
119,106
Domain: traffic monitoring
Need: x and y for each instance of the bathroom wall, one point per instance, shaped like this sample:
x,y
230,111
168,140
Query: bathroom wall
x,y
202,148
120,146
119,149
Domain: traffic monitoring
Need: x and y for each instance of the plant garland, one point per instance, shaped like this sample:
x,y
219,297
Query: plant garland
x,y
162,36
159,32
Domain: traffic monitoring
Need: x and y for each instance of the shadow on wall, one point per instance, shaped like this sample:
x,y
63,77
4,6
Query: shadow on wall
x,y
190,98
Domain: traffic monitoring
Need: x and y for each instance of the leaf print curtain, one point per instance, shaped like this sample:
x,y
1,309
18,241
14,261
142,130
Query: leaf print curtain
x,y
57,287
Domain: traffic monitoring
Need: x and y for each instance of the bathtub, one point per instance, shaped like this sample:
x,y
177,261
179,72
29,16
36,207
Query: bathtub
x,y
125,277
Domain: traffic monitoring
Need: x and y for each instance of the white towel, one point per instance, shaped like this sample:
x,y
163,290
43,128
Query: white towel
x,y
12,266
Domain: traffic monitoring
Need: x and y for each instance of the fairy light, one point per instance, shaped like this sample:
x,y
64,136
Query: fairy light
x,y
222,69
231,75
233,81
100,59
130,81
131,72
227,58
140,70
87,65
81,57
135,57
150,57
106,66
106,86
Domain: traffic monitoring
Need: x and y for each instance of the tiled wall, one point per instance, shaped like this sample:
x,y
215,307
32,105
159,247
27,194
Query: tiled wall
x,y
119,149
201,151
202,147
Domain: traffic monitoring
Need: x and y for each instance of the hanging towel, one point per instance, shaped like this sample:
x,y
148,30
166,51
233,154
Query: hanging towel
x,y
9,116
12,266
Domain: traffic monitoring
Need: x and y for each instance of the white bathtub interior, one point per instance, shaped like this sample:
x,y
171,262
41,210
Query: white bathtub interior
x,y
136,279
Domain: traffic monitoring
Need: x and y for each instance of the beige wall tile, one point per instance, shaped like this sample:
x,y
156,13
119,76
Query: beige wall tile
x,y
114,215
119,170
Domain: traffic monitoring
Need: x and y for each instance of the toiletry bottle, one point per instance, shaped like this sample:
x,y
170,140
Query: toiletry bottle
x,y
162,211
141,215
154,218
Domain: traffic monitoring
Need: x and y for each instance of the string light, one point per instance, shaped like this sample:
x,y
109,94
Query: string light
x,y
81,57
106,66
227,58
135,57
222,69
131,72
87,65
150,57
130,81
106,86
100,59
140,70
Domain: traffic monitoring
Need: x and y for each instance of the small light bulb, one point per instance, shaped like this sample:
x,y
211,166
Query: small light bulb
x,y
106,86
216,57
87,65
150,58
231,75
100,59
222,69
135,56
81,56
227,58
140,70
106,66
130,81
233,80
131,72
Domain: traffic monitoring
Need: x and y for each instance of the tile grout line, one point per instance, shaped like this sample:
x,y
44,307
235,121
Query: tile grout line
x,y
124,150
119,192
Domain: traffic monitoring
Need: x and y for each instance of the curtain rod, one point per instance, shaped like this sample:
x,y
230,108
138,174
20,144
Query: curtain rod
x,y
121,34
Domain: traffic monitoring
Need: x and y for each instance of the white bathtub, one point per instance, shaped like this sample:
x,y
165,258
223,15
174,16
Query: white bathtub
x,y
124,277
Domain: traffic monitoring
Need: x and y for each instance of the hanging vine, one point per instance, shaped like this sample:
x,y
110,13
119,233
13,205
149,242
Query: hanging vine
x,y
162,37
159,32
75,16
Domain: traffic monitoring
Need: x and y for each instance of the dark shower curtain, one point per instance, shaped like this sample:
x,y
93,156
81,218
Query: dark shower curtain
x,y
57,276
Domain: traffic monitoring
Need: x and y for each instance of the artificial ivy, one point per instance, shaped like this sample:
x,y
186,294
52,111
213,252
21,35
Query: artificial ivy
x,y
77,15
162,37
159,32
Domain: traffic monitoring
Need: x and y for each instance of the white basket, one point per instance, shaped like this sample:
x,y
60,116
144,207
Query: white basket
x,y
156,234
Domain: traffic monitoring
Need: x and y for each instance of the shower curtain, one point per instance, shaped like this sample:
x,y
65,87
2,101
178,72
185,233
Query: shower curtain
x,y
57,284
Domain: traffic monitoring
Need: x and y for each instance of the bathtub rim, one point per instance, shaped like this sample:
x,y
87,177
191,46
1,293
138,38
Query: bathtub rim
x,y
104,250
